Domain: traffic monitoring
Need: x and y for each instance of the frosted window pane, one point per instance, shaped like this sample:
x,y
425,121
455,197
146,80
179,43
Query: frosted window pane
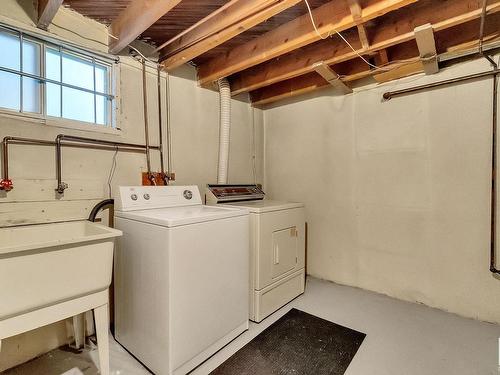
x,y
10,93
10,57
101,110
31,58
53,94
31,95
53,65
101,75
78,72
78,105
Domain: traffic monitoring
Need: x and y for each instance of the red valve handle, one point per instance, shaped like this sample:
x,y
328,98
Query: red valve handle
x,y
6,184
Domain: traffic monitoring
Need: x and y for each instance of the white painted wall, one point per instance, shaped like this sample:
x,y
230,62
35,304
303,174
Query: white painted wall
x,y
397,193
194,121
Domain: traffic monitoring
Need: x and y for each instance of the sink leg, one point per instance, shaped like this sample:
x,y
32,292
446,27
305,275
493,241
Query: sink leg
x,y
79,331
102,331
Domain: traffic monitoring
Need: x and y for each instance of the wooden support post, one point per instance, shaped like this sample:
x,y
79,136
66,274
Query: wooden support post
x,y
424,36
331,77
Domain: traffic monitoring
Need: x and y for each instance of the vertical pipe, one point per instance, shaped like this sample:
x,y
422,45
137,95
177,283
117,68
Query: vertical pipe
x,y
61,186
224,130
481,27
493,178
169,131
5,159
5,181
146,126
160,129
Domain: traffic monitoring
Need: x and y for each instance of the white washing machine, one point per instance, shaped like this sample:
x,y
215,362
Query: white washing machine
x,y
181,276
277,245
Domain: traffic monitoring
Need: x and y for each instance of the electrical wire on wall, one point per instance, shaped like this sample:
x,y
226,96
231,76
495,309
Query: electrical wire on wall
x,y
112,171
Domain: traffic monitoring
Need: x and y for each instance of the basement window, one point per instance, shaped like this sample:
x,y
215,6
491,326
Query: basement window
x,y
47,80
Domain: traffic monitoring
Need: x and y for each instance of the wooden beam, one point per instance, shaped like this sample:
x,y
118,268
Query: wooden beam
x,y
424,36
304,84
135,19
47,10
299,32
382,58
356,12
331,77
400,72
309,82
234,18
441,14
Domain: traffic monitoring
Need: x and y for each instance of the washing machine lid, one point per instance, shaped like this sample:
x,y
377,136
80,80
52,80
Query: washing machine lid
x,y
261,206
183,215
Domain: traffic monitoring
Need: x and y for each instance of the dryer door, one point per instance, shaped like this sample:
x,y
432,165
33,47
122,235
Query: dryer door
x,y
285,251
280,248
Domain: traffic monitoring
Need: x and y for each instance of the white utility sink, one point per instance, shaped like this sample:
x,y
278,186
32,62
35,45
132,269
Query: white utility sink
x,y
50,272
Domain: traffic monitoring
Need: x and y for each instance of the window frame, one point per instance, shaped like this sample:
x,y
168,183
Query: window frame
x,y
95,59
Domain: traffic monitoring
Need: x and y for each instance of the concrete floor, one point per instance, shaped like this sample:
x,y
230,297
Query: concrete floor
x,y
402,338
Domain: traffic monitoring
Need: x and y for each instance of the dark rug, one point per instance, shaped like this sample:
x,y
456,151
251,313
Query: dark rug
x,y
299,344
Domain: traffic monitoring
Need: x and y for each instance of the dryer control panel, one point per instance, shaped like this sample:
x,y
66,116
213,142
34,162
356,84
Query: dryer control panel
x,y
131,198
233,193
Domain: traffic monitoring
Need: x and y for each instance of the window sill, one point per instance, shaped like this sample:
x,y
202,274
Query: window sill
x,y
60,123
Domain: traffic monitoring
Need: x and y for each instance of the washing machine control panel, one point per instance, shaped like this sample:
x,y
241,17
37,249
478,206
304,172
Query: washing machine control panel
x,y
233,193
131,198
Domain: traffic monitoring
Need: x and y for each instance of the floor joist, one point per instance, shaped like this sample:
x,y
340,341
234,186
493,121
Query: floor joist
x,y
309,82
234,18
442,15
135,19
332,16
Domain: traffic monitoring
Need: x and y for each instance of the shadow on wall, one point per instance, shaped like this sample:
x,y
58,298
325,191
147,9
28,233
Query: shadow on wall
x,y
29,9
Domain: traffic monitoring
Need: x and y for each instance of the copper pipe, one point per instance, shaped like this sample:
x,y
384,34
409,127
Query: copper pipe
x,y
87,144
164,176
146,125
120,146
168,128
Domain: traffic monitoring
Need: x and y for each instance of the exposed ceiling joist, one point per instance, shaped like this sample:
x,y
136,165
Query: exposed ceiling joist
x,y
297,33
356,12
230,20
442,15
47,10
424,35
135,19
310,82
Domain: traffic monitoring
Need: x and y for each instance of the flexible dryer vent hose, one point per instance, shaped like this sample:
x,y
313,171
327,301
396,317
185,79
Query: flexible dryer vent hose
x,y
224,130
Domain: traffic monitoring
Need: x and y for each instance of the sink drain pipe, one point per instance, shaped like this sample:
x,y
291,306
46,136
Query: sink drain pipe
x,y
224,129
